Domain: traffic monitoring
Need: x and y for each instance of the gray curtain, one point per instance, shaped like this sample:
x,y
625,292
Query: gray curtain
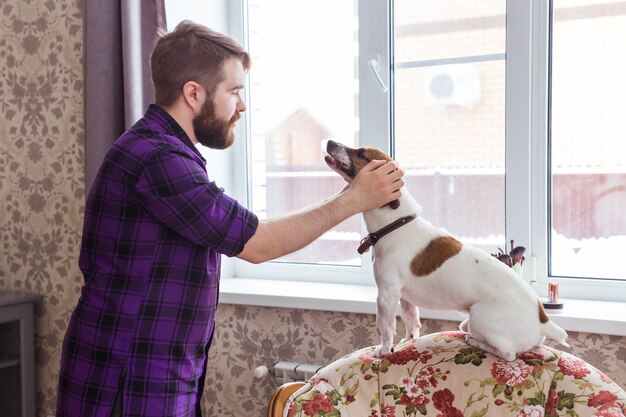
x,y
119,36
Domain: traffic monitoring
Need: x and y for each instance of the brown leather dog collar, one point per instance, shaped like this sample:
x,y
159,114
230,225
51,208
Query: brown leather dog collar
x,y
371,239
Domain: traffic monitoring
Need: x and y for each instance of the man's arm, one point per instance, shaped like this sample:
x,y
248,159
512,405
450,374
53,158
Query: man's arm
x,y
377,184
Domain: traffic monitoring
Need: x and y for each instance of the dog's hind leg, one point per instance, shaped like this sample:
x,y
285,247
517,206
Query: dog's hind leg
x,y
474,340
487,331
411,318
386,304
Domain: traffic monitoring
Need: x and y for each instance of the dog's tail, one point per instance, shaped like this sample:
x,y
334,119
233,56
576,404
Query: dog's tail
x,y
554,332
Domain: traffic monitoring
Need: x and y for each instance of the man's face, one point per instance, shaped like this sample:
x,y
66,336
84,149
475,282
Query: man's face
x,y
214,125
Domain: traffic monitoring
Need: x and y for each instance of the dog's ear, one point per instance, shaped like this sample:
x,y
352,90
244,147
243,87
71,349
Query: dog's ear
x,y
394,204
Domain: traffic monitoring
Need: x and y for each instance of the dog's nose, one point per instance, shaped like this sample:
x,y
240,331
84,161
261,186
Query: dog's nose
x,y
331,144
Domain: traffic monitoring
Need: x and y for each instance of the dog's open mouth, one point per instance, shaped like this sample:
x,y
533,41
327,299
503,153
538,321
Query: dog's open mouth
x,y
337,164
338,160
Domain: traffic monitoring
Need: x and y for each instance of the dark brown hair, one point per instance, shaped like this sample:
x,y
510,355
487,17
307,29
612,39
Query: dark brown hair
x,y
191,52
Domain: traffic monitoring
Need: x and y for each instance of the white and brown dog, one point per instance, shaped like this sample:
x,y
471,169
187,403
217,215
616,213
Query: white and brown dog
x,y
420,265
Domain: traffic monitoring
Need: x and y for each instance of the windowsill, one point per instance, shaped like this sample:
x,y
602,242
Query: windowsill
x,y
603,317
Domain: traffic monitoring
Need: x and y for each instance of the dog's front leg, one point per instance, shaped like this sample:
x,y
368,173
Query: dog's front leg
x,y
386,305
411,318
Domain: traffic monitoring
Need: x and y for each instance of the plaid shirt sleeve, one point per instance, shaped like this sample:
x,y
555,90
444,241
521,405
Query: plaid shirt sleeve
x,y
176,191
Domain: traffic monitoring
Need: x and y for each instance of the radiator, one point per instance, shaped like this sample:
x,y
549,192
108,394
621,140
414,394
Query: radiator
x,y
288,371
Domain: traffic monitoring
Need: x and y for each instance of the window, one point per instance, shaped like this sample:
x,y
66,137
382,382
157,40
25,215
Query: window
x,y
505,115
449,113
588,139
303,91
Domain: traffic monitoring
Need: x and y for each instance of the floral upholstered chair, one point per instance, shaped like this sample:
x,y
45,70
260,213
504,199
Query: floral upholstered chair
x,y
440,375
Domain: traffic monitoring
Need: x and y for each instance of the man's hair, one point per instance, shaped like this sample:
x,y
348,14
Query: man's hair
x,y
191,52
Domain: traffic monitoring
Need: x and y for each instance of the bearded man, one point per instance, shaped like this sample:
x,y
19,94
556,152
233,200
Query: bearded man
x,y
155,228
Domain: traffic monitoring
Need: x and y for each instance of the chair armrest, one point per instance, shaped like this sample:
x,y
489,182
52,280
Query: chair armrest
x,y
280,397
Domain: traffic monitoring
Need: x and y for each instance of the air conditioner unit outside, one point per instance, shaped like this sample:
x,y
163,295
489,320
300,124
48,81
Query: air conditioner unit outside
x,y
452,85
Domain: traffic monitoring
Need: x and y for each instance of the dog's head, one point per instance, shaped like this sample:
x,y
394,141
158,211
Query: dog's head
x,y
347,161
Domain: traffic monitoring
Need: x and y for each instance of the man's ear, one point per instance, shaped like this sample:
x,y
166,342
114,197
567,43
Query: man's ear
x,y
192,94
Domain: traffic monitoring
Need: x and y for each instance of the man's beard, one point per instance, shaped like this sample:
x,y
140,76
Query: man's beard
x,y
213,132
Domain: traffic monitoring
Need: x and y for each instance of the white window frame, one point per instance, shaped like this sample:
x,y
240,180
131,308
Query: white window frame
x,y
526,152
537,12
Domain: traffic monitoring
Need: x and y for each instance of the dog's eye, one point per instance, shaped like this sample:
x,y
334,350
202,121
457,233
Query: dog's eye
x,y
361,153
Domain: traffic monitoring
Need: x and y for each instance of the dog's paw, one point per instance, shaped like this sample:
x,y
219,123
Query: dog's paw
x,y
382,351
506,355
411,337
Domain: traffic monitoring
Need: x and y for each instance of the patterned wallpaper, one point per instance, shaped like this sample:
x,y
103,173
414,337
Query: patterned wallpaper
x,y
41,167
42,194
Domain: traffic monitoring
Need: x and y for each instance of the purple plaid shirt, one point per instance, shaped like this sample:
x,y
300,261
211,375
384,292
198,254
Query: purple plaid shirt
x,y
154,229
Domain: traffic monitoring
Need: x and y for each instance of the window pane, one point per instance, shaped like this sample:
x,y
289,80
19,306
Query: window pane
x,y
449,113
588,139
303,91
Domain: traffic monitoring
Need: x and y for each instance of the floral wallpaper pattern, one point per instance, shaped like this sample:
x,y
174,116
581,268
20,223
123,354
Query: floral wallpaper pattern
x,y
42,193
41,167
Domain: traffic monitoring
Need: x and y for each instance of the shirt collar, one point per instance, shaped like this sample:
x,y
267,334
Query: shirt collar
x,y
163,118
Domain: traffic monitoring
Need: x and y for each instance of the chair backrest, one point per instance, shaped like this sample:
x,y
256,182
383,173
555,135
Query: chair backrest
x,y
280,397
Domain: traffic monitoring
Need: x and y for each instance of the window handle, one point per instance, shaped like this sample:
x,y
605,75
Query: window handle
x,y
373,64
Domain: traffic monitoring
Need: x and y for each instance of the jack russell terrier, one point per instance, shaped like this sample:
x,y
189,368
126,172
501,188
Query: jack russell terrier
x,y
420,265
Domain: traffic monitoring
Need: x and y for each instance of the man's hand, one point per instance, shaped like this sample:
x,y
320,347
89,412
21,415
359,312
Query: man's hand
x,y
376,184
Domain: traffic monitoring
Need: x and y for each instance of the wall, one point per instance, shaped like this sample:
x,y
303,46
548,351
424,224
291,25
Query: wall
x,y
42,194
41,167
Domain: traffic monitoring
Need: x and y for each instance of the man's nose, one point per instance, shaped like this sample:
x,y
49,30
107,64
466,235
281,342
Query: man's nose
x,y
241,106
